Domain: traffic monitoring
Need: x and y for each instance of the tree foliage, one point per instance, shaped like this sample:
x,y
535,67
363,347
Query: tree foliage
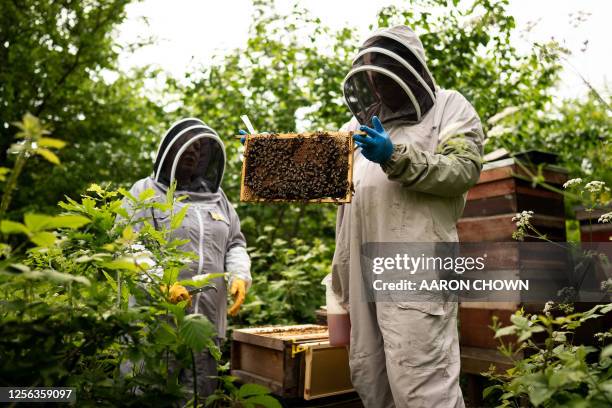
x,y
57,61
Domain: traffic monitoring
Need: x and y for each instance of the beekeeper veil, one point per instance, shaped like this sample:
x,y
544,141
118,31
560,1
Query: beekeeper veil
x,y
389,78
192,154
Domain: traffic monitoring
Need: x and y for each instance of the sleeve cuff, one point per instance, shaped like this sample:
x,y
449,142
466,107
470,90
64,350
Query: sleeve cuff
x,y
398,152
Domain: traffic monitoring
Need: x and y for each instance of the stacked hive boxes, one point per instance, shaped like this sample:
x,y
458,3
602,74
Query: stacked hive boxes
x,y
503,190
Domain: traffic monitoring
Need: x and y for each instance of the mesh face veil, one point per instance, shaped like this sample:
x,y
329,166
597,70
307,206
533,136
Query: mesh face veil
x,y
192,154
388,79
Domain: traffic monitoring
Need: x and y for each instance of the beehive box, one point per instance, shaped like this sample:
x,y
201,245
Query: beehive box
x,y
305,167
504,189
591,230
292,361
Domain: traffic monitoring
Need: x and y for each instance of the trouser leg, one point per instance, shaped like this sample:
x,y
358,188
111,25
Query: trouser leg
x,y
422,355
367,358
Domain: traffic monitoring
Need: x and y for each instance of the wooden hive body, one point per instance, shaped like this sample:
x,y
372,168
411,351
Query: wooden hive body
x,y
502,191
591,230
292,361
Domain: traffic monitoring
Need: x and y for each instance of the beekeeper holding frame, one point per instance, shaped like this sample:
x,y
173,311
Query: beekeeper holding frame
x,y
420,155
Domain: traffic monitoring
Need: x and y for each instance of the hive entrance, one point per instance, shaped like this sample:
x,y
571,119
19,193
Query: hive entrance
x,y
312,167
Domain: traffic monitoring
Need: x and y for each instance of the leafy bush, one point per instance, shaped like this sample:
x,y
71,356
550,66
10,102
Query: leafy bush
x,y
86,298
286,280
552,371
555,372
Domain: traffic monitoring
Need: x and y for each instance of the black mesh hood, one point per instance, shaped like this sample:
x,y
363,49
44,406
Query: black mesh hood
x,y
192,154
389,78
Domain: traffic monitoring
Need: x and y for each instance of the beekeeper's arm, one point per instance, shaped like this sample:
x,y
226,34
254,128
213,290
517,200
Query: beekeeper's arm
x,y
455,165
237,263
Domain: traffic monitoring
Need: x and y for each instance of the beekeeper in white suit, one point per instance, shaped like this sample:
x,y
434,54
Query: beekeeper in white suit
x,y
421,153
192,154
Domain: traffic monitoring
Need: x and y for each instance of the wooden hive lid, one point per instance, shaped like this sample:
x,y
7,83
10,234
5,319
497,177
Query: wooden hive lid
x,y
278,337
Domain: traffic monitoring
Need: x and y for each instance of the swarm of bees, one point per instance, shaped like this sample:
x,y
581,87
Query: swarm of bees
x,y
297,168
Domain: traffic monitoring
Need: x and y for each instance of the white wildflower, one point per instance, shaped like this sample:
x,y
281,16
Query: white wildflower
x,y
596,186
548,307
572,182
606,218
141,256
137,247
522,218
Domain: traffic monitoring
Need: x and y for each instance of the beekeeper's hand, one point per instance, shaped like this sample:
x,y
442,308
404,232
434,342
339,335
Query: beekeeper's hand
x,y
244,133
376,146
178,293
238,291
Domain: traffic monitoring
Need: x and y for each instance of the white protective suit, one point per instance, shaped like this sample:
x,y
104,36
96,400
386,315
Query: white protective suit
x,y
404,354
211,224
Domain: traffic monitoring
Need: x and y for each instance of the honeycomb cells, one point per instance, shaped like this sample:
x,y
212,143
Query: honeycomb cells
x,y
297,168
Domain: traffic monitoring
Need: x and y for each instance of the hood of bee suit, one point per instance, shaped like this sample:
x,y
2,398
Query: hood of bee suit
x,y
192,154
389,78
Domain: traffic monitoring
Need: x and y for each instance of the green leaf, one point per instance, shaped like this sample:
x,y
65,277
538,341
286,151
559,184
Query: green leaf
x,y
121,263
607,308
520,321
43,239
166,335
195,331
40,222
177,219
128,233
127,194
170,275
51,142
95,188
177,310
55,276
202,281
538,395
213,349
266,401
12,227
146,194
68,221
3,172
48,155
487,391
37,222
505,331
110,280
606,352
249,390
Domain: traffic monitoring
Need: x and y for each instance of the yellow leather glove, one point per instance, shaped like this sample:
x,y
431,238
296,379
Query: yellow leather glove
x,y
178,293
238,291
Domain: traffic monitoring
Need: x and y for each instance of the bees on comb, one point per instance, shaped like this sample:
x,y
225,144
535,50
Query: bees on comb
x,y
298,168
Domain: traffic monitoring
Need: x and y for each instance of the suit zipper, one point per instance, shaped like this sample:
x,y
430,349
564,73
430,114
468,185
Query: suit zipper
x,y
200,253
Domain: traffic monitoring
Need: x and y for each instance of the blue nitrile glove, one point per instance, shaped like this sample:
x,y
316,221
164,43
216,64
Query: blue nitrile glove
x,y
244,132
376,146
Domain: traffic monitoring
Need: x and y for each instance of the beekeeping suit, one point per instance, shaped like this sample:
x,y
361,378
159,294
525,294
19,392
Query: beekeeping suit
x,y
193,154
404,353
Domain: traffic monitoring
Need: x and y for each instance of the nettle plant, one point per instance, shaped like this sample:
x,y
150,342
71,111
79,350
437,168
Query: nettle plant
x,y
85,296
552,371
